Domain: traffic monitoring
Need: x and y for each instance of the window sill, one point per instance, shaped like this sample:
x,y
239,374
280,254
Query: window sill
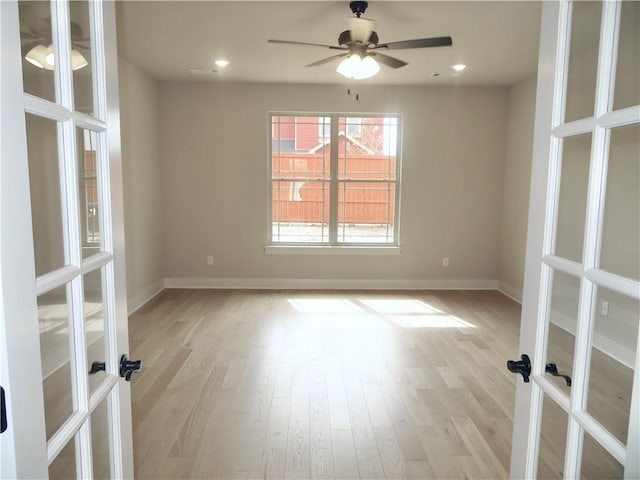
x,y
332,250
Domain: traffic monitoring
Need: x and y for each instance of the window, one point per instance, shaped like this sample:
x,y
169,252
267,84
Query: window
x,y
354,126
341,184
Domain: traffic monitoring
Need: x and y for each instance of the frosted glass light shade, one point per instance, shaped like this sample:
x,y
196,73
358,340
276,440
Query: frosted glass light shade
x,y
43,57
357,67
77,60
37,55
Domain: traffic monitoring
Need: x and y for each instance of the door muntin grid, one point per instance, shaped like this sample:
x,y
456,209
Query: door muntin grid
x,y
74,428
584,267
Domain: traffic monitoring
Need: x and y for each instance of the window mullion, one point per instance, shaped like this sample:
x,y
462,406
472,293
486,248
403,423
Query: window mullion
x,y
333,184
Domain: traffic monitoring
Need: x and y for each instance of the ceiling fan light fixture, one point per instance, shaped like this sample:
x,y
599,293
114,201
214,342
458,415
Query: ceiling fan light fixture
x,y
77,60
358,68
37,56
43,57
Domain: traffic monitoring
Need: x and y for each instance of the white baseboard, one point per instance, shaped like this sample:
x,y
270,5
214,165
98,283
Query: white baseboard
x,y
331,284
510,291
135,302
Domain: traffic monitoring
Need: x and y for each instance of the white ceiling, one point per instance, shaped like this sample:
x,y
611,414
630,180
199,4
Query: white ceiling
x,y
498,41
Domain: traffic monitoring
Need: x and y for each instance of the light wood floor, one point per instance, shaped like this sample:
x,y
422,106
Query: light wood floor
x,y
329,385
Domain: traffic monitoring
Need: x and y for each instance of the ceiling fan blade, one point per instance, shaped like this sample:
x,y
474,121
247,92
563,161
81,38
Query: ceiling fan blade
x,y
418,43
29,36
26,47
289,42
361,29
326,60
387,60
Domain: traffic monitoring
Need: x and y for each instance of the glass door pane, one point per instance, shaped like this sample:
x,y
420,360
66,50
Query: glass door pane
x,y
63,466
583,59
597,464
620,251
553,438
627,93
613,355
94,325
37,49
81,53
46,198
55,353
563,321
100,442
89,192
572,202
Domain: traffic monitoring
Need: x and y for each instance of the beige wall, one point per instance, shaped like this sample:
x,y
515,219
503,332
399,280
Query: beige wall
x,y
517,177
214,140
141,178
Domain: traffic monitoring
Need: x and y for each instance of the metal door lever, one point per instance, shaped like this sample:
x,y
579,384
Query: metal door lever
x,y
523,367
3,412
128,367
97,367
553,370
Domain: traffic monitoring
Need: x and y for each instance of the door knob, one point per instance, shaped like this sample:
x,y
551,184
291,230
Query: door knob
x,y
522,366
128,367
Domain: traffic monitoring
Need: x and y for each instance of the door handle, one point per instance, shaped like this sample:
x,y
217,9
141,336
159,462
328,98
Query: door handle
x,y
3,412
522,366
97,367
128,367
553,370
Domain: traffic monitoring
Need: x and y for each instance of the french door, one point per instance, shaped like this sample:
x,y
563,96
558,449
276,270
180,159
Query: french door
x,y
582,279
63,317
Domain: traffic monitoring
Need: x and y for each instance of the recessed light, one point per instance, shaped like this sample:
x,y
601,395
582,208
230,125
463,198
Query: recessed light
x,y
459,67
221,63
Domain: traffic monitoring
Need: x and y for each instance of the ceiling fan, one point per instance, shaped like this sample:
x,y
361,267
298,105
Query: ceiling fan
x,y
361,48
37,42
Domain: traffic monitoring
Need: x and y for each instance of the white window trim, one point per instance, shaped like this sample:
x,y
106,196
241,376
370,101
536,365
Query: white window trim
x,y
333,246
322,128
314,249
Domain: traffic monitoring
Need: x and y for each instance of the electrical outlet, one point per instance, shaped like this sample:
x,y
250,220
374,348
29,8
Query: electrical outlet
x,y
445,261
210,260
605,308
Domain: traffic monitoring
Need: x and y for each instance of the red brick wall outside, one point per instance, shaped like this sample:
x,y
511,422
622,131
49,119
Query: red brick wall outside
x,y
307,200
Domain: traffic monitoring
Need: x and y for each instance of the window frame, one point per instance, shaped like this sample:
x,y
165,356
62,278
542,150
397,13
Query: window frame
x,y
333,244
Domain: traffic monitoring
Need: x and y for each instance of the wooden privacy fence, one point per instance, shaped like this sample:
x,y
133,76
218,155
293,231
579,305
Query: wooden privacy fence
x,y
360,200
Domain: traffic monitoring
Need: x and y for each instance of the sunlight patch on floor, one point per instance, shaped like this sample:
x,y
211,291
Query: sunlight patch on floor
x,y
429,321
347,322
347,314
325,306
393,306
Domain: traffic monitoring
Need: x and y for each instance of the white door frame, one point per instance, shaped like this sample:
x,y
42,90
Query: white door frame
x,y
25,452
550,130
